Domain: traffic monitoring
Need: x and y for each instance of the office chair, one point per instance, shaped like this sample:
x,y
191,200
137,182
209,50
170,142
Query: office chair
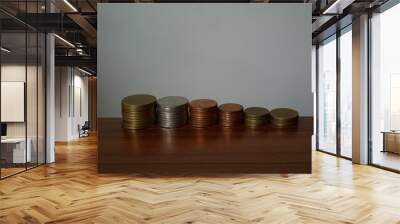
x,y
84,130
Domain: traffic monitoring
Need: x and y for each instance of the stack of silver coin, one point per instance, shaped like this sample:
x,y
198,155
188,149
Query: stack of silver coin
x,y
172,111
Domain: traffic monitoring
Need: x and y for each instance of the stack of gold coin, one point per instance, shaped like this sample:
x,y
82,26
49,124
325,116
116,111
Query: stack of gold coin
x,y
203,112
138,111
256,116
283,117
230,114
172,111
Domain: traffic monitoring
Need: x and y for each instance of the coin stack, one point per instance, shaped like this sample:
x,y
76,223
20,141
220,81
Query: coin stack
x,y
256,116
172,111
138,111
203,112
283,117
230,114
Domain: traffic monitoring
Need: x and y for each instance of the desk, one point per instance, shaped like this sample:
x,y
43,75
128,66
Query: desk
x,y
13,150
391,141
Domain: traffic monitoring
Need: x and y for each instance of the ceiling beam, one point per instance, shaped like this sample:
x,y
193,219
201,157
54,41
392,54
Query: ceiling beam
x,y
82,61
337,7
86,26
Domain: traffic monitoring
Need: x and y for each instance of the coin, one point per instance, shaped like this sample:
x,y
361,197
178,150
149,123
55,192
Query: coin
x,y
230,107
256,116
230,114
203,104
283,124
172,111
172,102
284,114
203,112
256,112
283,117
138,111
139,100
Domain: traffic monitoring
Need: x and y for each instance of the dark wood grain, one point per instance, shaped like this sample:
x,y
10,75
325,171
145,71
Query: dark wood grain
x,y
213,149
92,107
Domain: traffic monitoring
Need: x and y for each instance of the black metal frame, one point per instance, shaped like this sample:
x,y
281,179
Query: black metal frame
x,y
316,97
338,98
369,81
37,164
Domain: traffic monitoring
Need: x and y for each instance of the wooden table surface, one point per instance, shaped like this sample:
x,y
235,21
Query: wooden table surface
x,y
213,149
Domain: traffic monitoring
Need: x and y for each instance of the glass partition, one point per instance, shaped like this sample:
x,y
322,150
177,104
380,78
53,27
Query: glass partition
x,y
327,95
22,78
334,94
31,99
346,93
13,94
385,89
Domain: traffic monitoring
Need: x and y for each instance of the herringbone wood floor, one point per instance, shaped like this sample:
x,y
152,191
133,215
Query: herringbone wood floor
x,y
71,191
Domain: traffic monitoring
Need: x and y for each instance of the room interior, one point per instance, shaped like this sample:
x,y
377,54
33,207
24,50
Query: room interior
x,y
171,111
22,104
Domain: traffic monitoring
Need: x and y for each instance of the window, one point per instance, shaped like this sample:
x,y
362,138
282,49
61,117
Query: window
x,y
346,74
385,89
334,106
327,96
394,102
22,77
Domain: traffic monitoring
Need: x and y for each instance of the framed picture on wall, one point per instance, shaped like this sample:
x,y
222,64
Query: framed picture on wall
x,y
12,101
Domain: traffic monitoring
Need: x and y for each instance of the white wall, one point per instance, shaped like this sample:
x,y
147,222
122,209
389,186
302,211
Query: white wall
x,y
67,116
79,117
62,82
18,73
12,101
33,126
253,54
12,73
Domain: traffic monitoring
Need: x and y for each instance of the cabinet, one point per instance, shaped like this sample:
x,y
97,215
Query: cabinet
x,y
391,142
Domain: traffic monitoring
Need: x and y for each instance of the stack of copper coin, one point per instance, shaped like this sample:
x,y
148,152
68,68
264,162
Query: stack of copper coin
x,y
203,112
172,111
256,116
283,117
230,114
138,111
